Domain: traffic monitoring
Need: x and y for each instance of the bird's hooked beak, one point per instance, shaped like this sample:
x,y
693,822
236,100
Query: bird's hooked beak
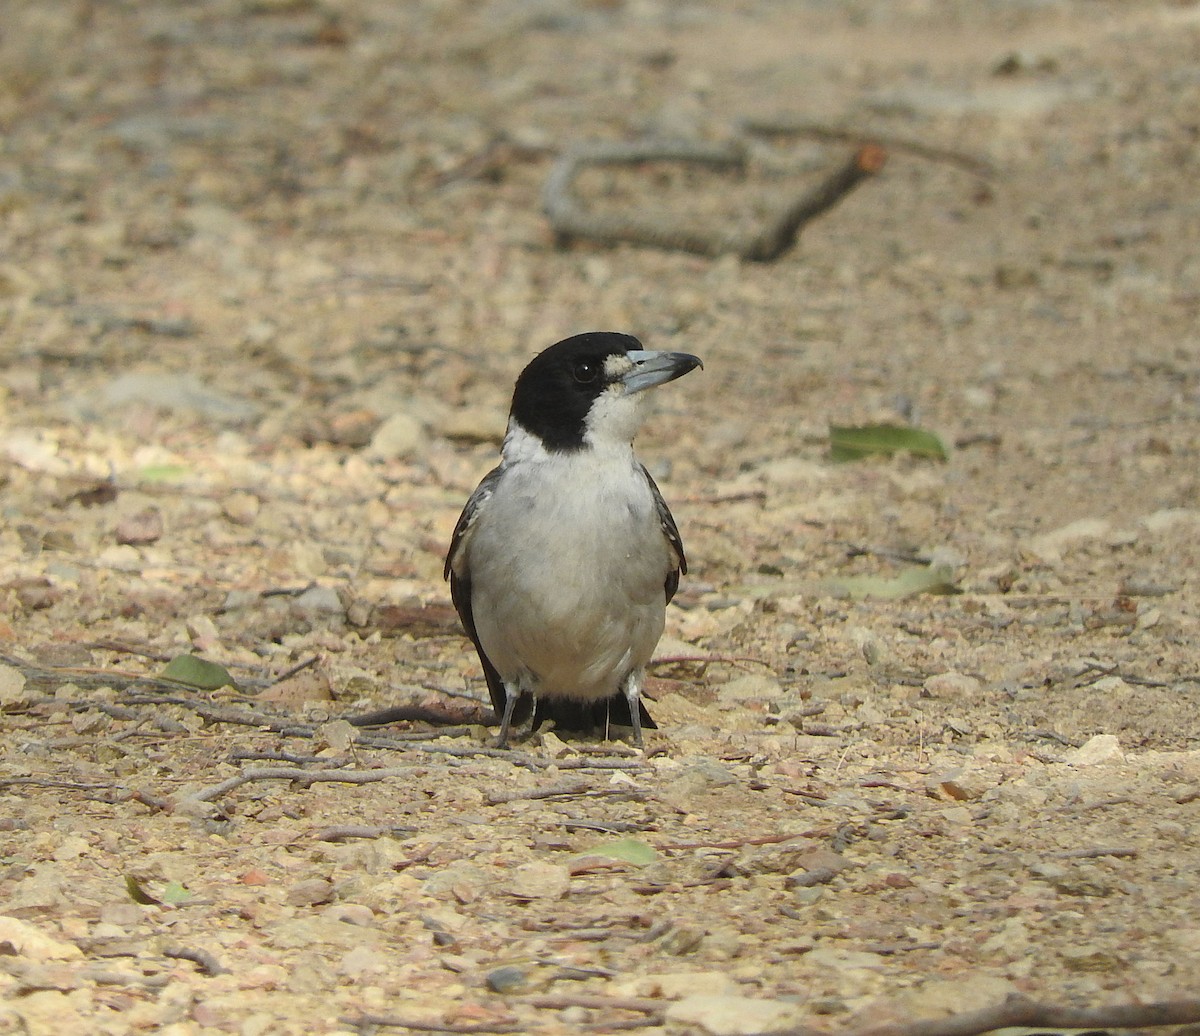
x,y
656,367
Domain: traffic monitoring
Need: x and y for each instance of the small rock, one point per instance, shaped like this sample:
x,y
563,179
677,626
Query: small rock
x,y
308,559
335,737
312,892
1103,748
121,558
1049,546
696,776
675,985
122,914
461,879
1169,518
509,978
12,688
167,391
789,858
539,881
472,424
965,785
72,848
869,643
322,600
298,690
363,960
241,508
33,944
681,940
350,913
751,687
202,632
943,998
1012,941
725,1015
401,435
952,686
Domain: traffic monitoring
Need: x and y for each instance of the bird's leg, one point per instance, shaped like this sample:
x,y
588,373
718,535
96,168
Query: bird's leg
x,y
512,692
633,694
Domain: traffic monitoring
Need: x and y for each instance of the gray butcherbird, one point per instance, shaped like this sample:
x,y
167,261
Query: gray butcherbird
x,y
566,555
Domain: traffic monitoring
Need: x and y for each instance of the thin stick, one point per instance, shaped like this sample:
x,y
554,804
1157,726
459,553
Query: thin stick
x,y
362,1022
345,832
1018,1010
594,1002
739,842
204,960
564,788
767,127
299,667
570,220
299,776
1092,854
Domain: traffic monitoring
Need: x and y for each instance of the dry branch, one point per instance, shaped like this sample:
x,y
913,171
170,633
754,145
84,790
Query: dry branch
x,y
563,788
570,220
1020,1011
298,776
204,960
784,127
365,1022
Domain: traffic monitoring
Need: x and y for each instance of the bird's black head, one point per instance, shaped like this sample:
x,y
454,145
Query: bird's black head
x,y
584,389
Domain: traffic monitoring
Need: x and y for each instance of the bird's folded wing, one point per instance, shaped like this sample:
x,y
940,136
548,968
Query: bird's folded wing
x,y
466,521
671,531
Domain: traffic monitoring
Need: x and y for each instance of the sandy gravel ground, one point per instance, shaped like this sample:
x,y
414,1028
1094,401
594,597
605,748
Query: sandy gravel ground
x,y
267,271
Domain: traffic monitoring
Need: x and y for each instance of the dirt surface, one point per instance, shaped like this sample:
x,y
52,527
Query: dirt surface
x,y
268,269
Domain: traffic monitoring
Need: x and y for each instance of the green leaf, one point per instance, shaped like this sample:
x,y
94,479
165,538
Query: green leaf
x,y
855,443
139,894
174,893
192,671
627,850
932,579
163,473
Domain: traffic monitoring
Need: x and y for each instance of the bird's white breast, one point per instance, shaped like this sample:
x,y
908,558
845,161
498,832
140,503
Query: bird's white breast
x,y
567,566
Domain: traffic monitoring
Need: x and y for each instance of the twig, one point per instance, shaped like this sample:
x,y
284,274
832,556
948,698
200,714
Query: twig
x,y
50,782
570,220
738,843
783,127
1092,854
301,777
365,1021
564,788
723,659
345,832
604,827
1018,1010
245,755
299,667
593,1002
204,960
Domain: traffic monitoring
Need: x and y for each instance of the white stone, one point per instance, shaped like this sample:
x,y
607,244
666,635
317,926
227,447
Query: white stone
x,y
1103,748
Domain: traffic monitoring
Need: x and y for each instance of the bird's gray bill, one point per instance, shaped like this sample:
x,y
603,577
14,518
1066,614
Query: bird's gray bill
x,y
656,367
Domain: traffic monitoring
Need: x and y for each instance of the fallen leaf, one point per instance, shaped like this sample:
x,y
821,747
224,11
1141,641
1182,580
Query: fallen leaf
x,y
175,893
192,671
627,850
848,443
922,579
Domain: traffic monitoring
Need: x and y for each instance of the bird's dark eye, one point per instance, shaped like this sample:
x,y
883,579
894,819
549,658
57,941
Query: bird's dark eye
x,y
586,371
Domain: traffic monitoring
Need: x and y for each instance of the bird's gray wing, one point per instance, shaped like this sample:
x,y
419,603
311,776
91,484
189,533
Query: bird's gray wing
x,y
459,574
455,558
671,531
